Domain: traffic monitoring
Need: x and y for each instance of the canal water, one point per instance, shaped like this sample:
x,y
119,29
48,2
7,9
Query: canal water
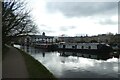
x,y
70,65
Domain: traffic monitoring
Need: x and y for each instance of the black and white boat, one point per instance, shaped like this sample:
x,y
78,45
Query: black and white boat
x,y
85,47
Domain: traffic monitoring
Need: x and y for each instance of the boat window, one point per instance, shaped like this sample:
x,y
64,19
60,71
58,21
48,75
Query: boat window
x,y
75,46
63,46
82,47
89,47
99,46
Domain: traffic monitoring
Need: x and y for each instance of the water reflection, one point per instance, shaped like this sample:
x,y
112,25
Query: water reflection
x,y
85,55
43,54
76,65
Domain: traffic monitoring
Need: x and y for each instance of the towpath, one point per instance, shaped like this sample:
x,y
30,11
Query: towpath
x,y
13,65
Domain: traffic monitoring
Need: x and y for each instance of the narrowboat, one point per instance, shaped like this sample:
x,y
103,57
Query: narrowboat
x,y
85,47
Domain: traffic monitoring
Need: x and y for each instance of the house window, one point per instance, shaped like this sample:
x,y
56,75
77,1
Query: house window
x,y
63,46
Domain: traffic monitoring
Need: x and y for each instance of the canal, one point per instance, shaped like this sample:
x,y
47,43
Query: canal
x,y
75,65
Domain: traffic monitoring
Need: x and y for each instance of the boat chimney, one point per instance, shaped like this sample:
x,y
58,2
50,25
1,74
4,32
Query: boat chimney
x,y
43,33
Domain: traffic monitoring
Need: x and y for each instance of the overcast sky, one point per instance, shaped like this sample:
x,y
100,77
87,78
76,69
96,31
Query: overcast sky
x,y
74,18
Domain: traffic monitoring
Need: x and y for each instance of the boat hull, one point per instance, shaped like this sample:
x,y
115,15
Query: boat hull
x,y
49,47
85,55
90,51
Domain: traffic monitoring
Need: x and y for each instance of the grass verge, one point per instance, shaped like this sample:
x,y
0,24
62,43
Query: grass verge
x,y
5,49
35,68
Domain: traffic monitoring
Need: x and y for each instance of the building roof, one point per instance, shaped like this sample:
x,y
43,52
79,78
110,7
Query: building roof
x,y
37,36
41,36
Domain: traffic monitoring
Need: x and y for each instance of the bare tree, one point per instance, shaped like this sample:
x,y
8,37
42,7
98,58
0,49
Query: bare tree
x,y
16,20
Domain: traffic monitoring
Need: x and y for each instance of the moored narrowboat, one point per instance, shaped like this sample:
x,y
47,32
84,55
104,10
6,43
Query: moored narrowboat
x,y
86,47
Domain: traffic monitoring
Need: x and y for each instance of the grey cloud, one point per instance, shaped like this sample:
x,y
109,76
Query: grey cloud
x,y
43,25
78,9
107,22
72,27
47,31
66,28
63,29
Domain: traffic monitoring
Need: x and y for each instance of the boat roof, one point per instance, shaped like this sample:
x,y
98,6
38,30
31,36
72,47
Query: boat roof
x,y
80,43
83,43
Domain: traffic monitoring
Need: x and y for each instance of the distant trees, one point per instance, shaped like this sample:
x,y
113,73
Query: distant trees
x,y
115,39
93,41
16,20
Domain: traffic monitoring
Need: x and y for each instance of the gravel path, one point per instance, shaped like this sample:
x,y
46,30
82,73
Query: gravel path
x,y
13,65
